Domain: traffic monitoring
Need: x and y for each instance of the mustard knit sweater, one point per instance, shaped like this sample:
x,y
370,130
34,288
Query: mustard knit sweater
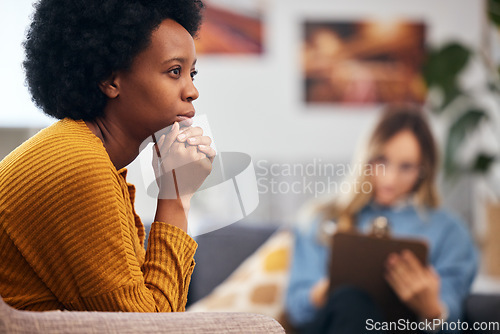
x,y
70,237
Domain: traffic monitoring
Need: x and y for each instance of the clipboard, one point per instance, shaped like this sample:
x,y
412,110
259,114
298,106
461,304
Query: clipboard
x,y
359,260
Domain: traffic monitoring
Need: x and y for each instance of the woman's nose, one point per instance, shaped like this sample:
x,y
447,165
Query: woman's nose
x,y
190,92
389,173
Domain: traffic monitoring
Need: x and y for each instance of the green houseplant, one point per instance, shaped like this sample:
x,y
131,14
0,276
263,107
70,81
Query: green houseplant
x,y
463,107
464,94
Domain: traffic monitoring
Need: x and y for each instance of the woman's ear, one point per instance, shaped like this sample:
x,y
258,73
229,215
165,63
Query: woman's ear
x,y
110,87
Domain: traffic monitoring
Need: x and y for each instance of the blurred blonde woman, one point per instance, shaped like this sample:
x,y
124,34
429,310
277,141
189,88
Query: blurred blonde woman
x,y
400,166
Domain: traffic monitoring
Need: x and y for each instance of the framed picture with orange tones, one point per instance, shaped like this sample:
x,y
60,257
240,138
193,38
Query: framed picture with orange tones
x,y
363,62
231,28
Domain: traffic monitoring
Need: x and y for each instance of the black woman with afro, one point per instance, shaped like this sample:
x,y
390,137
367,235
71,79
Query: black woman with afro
x,y
114,73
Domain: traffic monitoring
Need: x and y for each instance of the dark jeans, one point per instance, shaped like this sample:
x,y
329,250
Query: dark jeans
x,y
348,311
345,312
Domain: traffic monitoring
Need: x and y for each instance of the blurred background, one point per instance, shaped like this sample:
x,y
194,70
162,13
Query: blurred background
x,y
297,85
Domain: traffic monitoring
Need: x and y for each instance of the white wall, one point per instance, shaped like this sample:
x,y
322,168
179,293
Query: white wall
x,y
16,108
254,104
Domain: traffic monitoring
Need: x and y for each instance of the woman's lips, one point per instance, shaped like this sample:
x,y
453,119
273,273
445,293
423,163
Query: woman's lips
x,y
386,190
184,120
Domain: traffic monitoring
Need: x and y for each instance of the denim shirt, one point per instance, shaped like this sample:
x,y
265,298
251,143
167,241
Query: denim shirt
x,y
451,252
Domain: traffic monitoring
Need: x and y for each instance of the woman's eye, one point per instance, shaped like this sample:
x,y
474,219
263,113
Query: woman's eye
x,y
380,161
405,166
176,71
408,167
193,74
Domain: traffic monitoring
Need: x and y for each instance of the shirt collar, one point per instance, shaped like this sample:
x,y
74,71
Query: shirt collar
x,y
407,203
400,205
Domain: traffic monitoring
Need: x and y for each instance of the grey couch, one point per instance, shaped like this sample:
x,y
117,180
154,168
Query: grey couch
x,y
221,251
14,321
24,322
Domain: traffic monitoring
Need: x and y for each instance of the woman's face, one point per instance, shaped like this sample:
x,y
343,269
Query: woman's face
x,y
158,89
397,169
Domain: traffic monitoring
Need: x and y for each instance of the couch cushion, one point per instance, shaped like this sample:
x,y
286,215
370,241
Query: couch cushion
x,y
258,285
220,252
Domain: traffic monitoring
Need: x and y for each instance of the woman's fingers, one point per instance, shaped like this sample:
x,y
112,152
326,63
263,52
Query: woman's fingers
x,y
193,136
199,140
188,133
190,159
398,269
165,141
156,157
186,154
170,137
208,151
399,284
156,152
394,283
319,292
412,262
432,272
155,160
180,139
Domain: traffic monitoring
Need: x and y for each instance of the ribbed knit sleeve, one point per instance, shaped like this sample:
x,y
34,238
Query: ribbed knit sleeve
x,y
168,246
70,215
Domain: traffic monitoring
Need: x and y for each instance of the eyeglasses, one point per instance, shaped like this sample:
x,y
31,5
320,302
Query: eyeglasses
x,y
382,165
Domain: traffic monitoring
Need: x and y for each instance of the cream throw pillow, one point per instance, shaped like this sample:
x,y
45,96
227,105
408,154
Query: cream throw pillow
x,y
258,285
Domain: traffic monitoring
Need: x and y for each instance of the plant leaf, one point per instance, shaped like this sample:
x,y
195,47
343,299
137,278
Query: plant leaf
x,y
450,94
483,163
465,123
443,66
494,11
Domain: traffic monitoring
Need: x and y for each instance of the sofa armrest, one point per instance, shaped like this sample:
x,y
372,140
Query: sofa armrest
x,y
15,321
482,308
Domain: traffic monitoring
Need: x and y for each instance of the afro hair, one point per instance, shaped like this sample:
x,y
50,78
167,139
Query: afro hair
x,y
73,45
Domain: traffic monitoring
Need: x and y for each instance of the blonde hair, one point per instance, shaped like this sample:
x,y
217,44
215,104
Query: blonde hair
x,y
395,119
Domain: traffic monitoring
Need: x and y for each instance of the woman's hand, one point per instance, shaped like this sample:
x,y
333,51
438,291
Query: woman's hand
x,y
319,292
185,160
181,160
416,285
